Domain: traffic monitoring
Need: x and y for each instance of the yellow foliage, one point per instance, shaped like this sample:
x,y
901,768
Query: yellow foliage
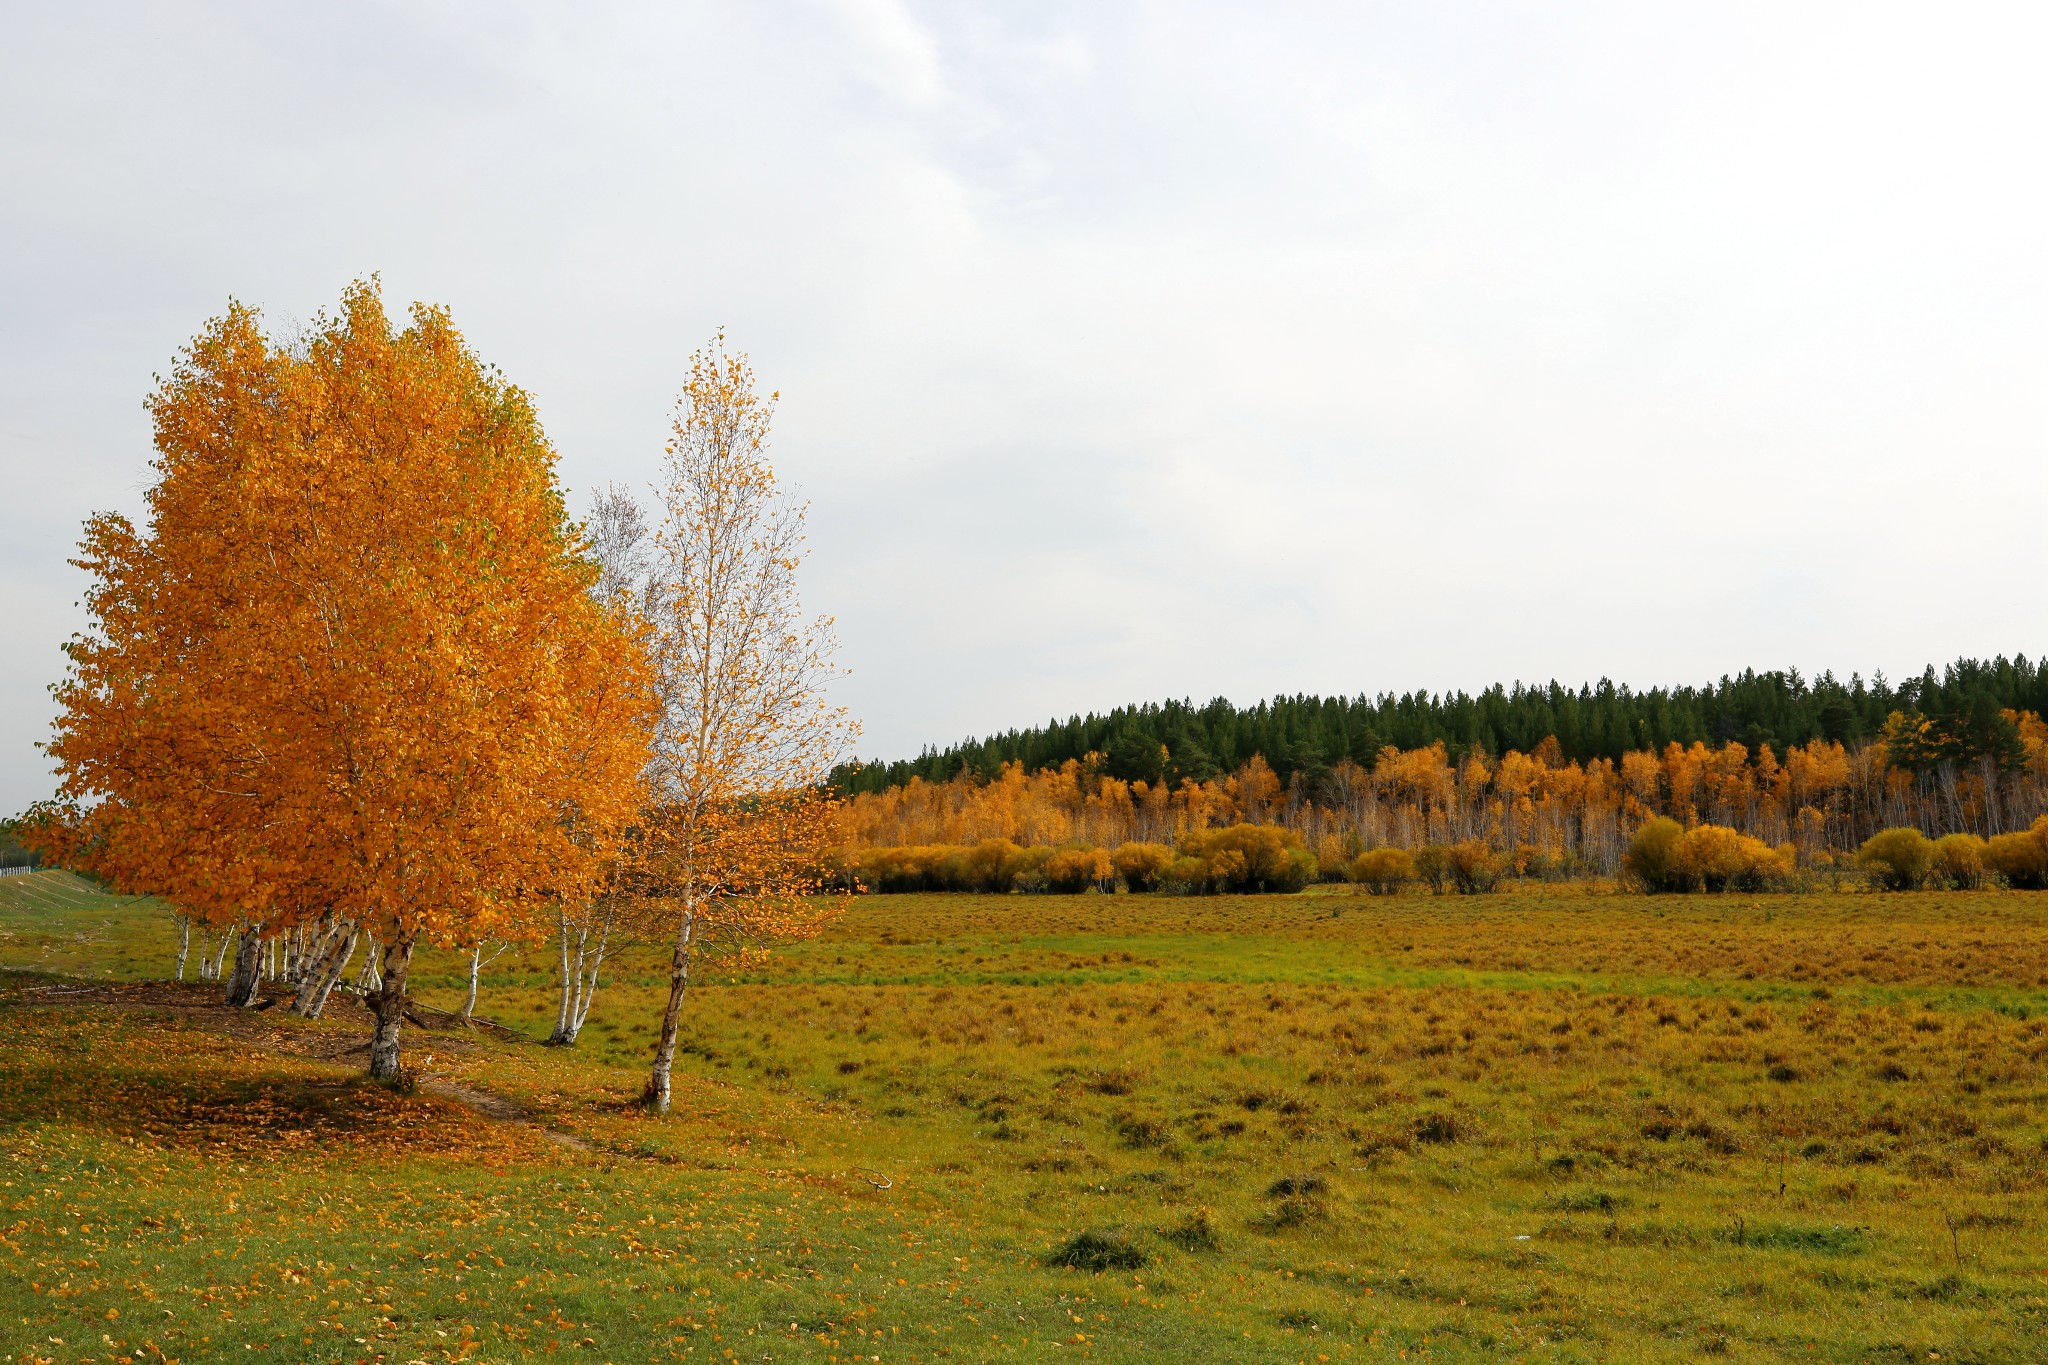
x,y
1959,860
736,846
1716,858
1472,867
1652,858
1898,858
1540,814
1249,858
1664,856
1141,865
2021,858
1073,870
1382,871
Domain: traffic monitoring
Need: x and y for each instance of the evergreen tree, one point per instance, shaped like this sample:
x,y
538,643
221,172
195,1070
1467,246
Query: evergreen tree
x,y
1310,734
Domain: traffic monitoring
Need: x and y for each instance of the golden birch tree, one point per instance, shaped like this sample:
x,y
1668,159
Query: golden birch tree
x,y
352,667
736,845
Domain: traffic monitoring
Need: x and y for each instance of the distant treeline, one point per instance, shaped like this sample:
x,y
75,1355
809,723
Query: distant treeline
x,y
1177,740
12,851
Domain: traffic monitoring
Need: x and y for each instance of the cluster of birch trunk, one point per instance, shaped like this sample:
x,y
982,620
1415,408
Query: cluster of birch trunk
x,y
310,961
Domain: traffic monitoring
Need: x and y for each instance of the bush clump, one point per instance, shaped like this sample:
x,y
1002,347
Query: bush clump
x,y
1303,1199
1467,867
1472,867
1438,1127
991,865
1897,859
1193,1233
2021,859
1959,861
1141,865
1241,858
1098,1251
1585,1201
1651,861
1383,871
1664,856
1074,870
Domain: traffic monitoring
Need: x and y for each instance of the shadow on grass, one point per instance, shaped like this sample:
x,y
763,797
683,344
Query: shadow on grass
x,y
150,1079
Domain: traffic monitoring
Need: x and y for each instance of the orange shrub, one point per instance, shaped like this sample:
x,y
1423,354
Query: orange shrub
x,y
1959,861
1334,853
1472,867
1071,871
991,865
1652,858
1381,871
1141,865
1663,856
1244,858
1716,858
1897,858
2022,858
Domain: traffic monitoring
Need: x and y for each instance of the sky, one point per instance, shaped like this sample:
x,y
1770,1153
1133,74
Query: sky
x,y
1126,351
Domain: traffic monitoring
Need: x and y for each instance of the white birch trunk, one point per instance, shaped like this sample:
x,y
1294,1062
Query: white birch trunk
x,y
323,970
660,1086
579,976
477,963
243,985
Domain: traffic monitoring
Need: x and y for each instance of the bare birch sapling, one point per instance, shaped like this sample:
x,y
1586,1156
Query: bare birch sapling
x,y
745,736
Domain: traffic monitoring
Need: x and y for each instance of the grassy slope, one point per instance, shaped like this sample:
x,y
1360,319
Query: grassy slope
x,y
1552,1127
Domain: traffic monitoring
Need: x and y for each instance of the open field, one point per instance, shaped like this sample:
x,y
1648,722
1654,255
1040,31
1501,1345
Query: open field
x,y
1567,1125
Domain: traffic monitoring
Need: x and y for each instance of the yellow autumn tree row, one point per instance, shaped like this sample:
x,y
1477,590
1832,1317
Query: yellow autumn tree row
x,y
1536,809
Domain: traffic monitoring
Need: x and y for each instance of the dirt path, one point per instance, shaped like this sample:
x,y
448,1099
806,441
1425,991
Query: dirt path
x,y
498,1107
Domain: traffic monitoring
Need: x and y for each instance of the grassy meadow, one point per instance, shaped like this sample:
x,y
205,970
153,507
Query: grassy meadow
x,y
1560,1125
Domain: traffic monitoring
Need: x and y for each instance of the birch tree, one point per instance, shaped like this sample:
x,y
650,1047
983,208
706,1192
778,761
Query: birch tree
x,y
731,850
477,963
582,959
620,544
352,666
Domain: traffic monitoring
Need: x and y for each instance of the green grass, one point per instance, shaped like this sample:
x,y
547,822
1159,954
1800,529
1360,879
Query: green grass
x,y
57,922
1547,1126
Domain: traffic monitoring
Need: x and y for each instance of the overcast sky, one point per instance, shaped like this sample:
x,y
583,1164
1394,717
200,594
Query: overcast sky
x,y
1126,351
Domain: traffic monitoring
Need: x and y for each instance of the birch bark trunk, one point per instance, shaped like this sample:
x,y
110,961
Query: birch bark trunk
x,y
242,986
368,979
570,975
586,986
579,979
659,1086
389,1002
323,971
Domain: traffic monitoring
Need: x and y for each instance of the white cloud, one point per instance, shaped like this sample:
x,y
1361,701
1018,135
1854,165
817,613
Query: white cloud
x,y
1129,350
890,49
